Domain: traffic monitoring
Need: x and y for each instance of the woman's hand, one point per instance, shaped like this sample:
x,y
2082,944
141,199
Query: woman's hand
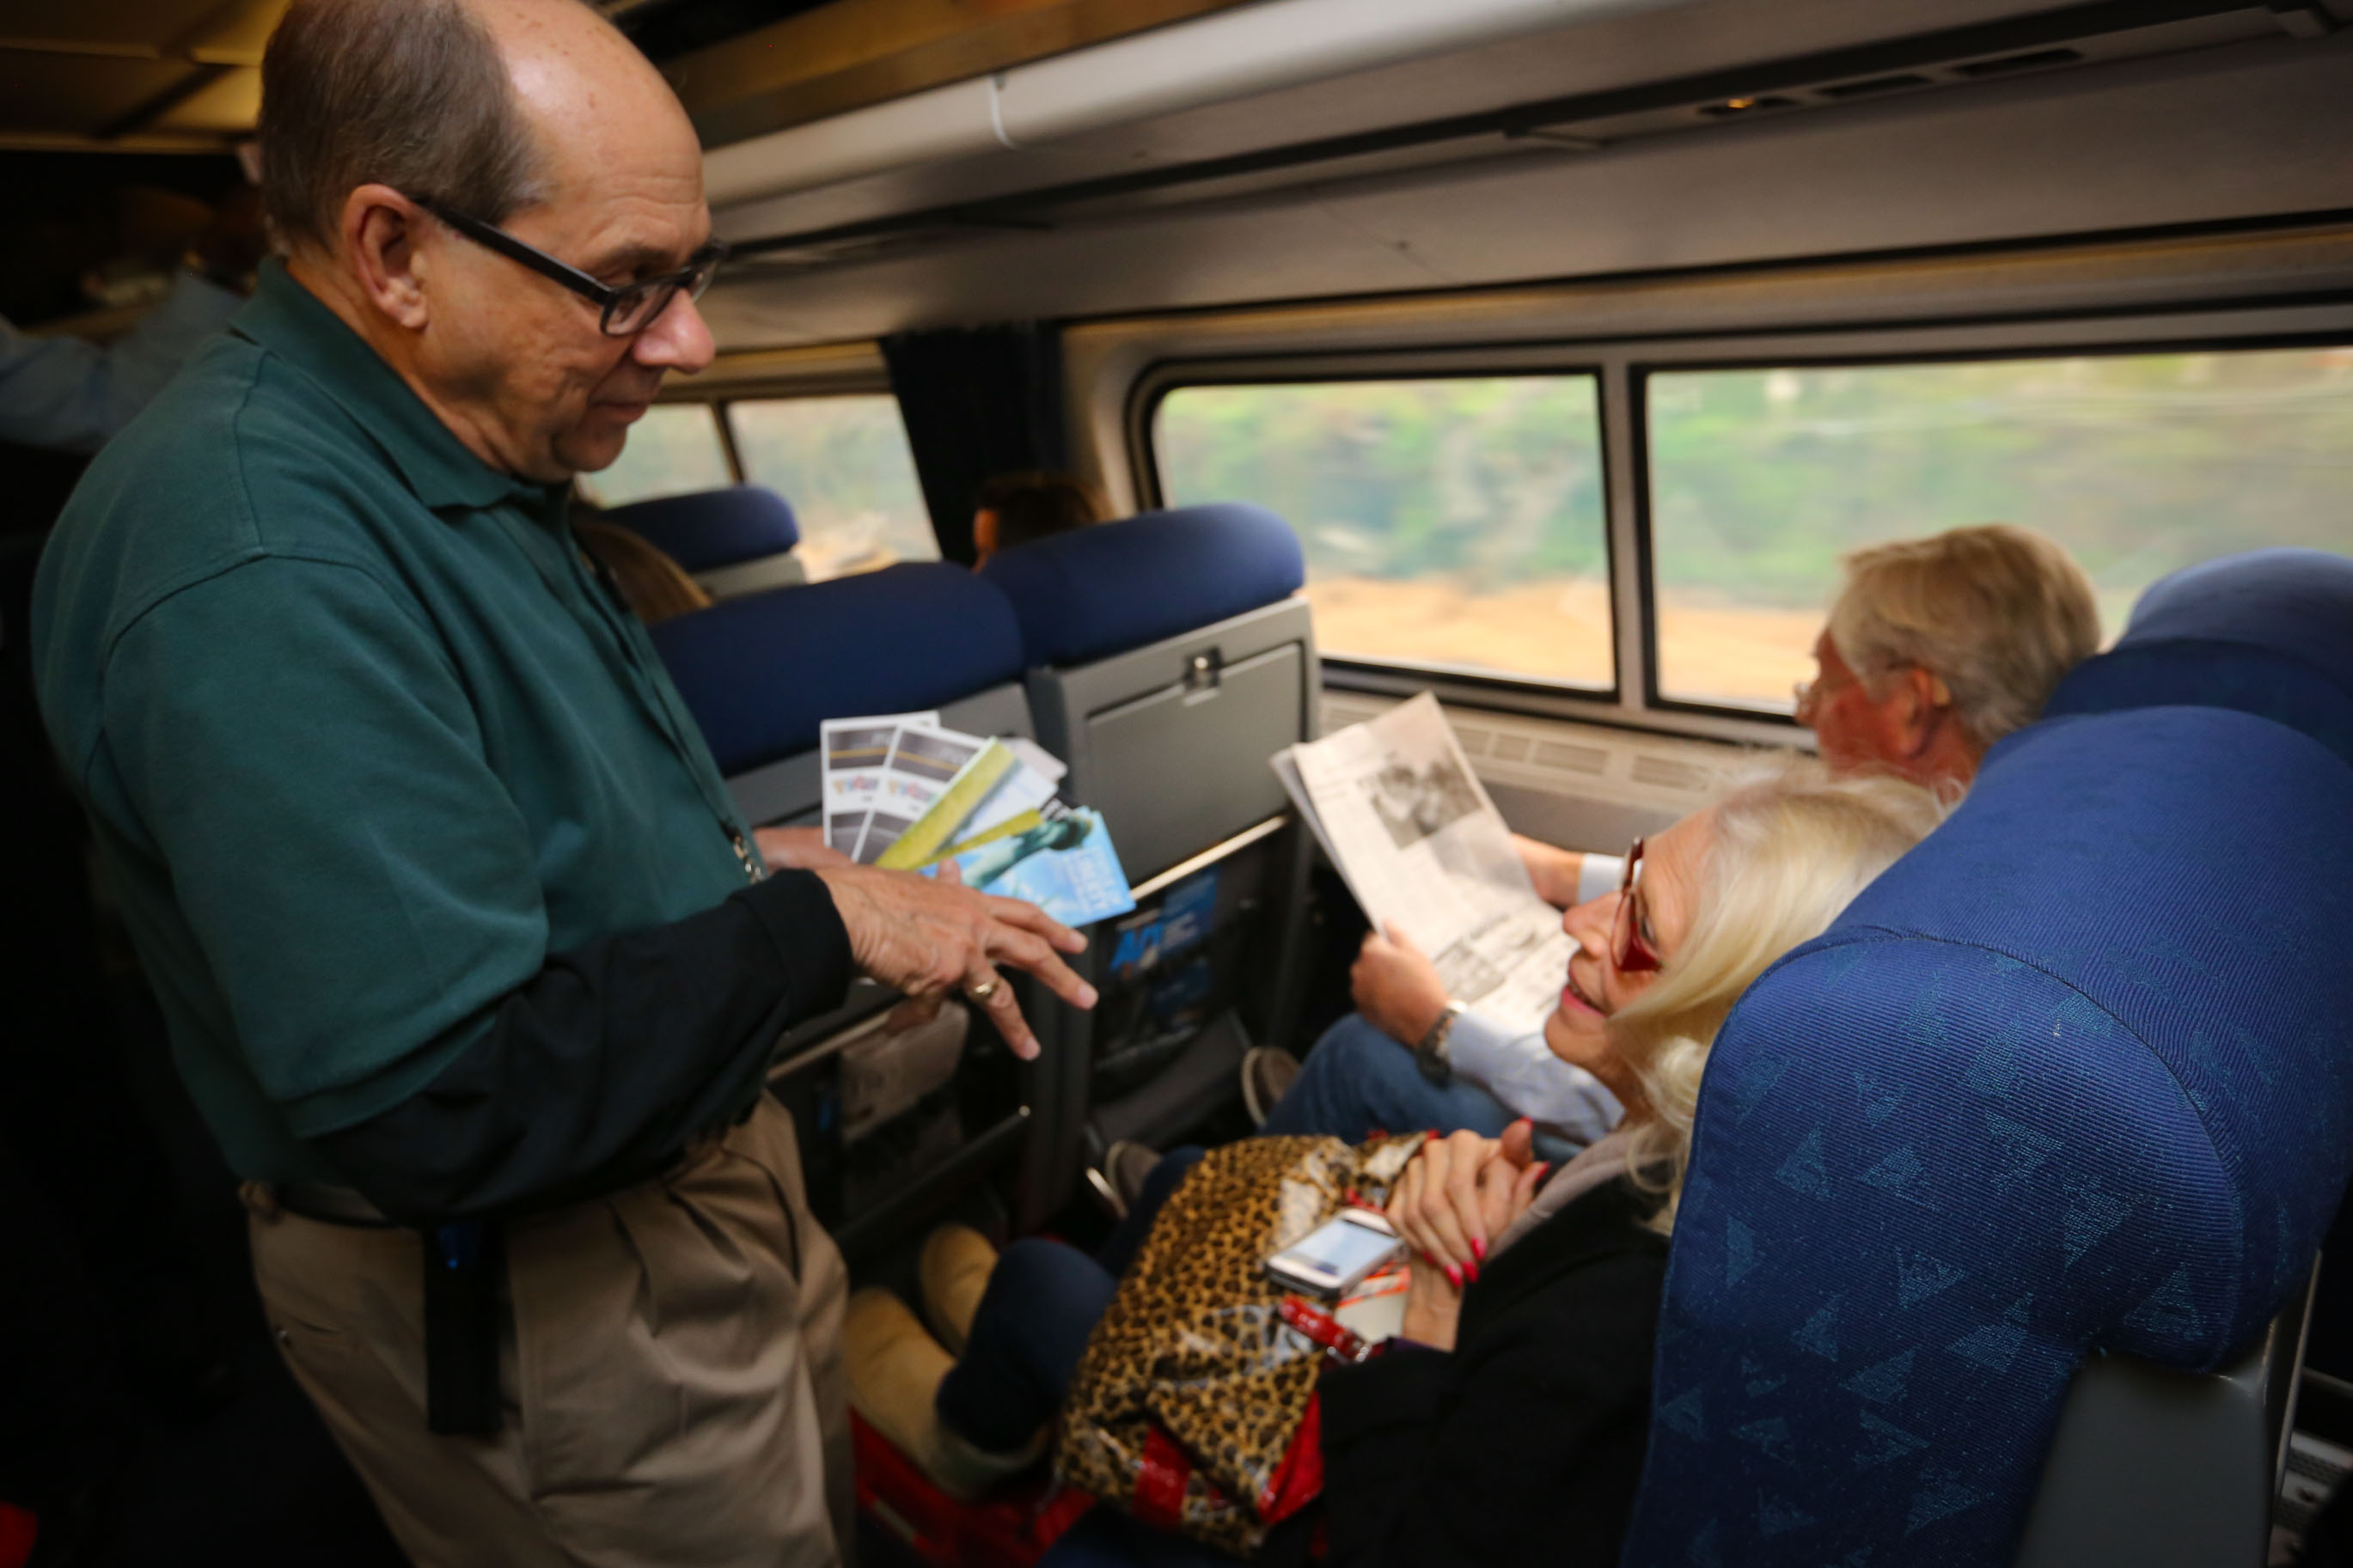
x,y
1460,1192
1397,987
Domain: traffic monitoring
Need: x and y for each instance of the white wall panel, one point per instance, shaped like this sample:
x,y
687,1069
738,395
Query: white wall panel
x,y
2249,131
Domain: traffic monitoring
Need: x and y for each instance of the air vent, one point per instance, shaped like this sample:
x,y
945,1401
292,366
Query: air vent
x,y
2005,65
1474,741
1510,748
1573,759
1669,774
1877,84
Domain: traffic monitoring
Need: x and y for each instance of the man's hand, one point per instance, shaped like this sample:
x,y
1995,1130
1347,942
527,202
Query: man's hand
x,y
930,938
1555,871
1397,987
797,848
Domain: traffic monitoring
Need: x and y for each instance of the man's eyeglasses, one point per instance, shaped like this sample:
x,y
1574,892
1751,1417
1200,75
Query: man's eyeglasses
x,y
1630,946
627,309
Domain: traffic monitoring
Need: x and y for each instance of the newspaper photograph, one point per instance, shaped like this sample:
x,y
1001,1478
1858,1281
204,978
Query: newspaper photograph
x,y
1403,818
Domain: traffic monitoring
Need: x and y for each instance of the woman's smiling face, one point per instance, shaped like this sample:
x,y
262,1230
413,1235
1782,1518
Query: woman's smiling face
x,y
1664,902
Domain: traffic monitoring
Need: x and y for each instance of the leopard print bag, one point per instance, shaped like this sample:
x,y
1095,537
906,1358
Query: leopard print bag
x,y
1194,1406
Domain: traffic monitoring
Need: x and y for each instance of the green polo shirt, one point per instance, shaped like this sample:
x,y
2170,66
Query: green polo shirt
x,y
362,739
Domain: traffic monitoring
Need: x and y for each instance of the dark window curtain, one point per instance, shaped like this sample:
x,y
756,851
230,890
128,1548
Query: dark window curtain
x,y
977,402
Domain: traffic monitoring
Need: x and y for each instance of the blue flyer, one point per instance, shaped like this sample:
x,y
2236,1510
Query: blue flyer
x,y
1066,866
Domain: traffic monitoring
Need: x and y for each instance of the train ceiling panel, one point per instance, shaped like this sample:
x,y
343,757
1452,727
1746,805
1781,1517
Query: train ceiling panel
x,y
2248,130
132,75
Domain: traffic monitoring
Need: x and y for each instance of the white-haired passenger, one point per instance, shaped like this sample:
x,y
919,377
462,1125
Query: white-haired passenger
x,y
1510,1425
1938,648
1935,649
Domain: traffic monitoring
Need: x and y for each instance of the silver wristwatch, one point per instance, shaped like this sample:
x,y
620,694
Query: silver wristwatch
x,y
1434,1056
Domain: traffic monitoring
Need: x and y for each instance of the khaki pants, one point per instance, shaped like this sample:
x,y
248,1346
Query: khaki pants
x,y
670,1370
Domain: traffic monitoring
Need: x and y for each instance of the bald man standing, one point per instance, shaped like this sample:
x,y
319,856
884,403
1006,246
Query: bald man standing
x,y
469,962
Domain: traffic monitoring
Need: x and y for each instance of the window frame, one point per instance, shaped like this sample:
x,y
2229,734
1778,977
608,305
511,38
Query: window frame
x,y
1421,672
724,410
772,375
1624,365
727,458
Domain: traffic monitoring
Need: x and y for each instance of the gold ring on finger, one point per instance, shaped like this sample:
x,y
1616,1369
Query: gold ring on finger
x,y
982,992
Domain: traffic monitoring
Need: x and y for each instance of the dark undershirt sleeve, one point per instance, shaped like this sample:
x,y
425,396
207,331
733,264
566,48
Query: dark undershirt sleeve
x,y
595,1073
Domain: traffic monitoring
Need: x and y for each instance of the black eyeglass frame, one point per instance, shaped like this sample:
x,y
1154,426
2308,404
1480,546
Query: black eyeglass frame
x,y
692,279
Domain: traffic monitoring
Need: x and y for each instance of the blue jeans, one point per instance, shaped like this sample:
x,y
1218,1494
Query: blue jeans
x,y
1357,1081
1106,1538
1032,1323
1031,1327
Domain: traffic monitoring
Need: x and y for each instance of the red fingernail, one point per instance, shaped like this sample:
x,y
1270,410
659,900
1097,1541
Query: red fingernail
x,y
1454,1276
1472,1271
1477,1250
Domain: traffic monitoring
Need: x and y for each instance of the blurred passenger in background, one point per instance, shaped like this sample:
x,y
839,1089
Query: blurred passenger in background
x,y
67,393
1939,647
656,586
1935,649
1015,509
105,1314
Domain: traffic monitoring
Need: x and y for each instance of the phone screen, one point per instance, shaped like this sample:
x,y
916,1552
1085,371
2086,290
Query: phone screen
x,y
1337,1248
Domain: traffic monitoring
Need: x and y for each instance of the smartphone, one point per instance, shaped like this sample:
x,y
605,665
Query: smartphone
x,y
1336,1254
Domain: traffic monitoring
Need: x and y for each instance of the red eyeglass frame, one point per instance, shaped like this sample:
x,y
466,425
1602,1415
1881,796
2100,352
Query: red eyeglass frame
x,y
1628,950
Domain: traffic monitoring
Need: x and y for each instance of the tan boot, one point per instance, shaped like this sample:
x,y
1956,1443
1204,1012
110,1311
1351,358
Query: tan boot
x,y
953,1272
895,1370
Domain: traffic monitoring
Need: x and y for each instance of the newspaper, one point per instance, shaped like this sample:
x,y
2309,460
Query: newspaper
x,y
1403,818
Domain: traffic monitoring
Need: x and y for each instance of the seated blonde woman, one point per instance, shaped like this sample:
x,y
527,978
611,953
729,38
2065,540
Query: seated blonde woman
x,y
1507,1424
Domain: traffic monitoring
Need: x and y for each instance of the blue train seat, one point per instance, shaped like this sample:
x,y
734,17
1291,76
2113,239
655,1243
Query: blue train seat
x,y
761,673
1168,647
733,542
893,1125
1169,655
2062,1101
2268,633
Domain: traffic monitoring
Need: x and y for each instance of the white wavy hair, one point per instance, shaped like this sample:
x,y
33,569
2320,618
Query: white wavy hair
x,y
1999,614
1792,846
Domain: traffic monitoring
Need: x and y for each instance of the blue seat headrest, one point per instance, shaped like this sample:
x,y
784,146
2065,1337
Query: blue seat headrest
x,y
2268,633
1100,590
760,673
711,529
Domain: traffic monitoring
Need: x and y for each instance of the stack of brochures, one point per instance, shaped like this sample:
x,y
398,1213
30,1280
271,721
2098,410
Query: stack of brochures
x,y
904,792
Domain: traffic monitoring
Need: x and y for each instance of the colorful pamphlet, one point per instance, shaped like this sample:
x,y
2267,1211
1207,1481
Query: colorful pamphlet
x,y
1065,865
855,753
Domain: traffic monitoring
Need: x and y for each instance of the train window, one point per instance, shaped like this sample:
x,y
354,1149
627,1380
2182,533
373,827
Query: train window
x,y
845,464
2138,464
1453,523
673,450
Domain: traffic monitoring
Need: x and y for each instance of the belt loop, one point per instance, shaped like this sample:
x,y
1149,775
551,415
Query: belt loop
x,y
463,1264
